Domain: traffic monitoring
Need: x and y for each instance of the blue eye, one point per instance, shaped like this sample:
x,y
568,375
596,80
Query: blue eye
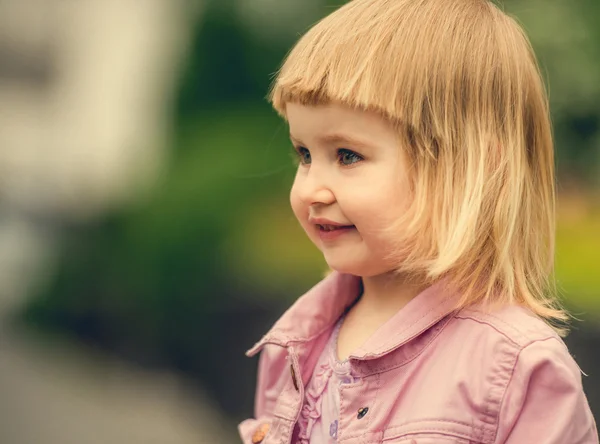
x,y
304,156
347,157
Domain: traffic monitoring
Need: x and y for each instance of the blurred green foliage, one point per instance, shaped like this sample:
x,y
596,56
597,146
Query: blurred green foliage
x,y
577,265
217,234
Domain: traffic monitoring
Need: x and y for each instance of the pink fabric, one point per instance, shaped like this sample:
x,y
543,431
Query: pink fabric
x,y
318,422
431,374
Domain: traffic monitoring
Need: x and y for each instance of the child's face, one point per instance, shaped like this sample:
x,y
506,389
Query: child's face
x,y
362,185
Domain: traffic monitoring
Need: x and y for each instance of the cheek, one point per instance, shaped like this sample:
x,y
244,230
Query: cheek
x,y
392,191
378,206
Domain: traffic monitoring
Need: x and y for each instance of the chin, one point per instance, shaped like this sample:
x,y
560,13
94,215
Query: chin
x,y
363,269
347,267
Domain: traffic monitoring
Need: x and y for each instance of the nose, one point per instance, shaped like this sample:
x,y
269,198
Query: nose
x,y
312,188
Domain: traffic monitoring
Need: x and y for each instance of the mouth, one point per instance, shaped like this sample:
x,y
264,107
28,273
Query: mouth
x,y
328,228
331,233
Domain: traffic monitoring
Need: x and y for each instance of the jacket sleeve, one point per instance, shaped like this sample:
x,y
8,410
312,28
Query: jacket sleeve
x,y
271,366
544,400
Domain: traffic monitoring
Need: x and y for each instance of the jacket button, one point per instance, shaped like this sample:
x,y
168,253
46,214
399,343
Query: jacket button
x,y
260,433
294,377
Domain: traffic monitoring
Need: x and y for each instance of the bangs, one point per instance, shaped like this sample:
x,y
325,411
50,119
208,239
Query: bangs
x,y
398,58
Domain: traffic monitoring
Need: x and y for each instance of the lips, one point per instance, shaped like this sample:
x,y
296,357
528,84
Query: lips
x,y
331,233
333,227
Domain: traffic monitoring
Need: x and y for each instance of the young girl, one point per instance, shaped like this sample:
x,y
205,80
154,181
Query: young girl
x,y
426,179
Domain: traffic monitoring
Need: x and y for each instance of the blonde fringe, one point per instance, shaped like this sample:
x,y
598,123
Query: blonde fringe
x,y
460,81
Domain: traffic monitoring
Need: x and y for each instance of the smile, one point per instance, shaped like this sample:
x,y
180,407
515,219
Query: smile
x,y
330,232
333,227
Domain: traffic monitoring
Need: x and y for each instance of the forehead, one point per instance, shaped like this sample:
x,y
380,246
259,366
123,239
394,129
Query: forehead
x,y
329,122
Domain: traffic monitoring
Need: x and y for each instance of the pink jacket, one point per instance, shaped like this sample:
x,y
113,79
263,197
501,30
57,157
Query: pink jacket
x,y
430,375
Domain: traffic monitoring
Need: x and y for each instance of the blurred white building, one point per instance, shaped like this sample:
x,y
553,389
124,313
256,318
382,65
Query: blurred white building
x,y
86,91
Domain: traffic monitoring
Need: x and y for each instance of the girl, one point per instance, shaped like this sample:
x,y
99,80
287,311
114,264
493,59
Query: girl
x,y
426,179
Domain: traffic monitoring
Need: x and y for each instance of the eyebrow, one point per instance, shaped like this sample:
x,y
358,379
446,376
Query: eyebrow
x,y
339,138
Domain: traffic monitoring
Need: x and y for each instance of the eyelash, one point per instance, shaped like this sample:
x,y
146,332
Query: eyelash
x,y
299,152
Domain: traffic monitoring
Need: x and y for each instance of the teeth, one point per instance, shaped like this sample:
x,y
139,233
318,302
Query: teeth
x,y
329,227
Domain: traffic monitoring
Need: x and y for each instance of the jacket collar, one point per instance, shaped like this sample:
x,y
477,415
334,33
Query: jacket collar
x,y
319,308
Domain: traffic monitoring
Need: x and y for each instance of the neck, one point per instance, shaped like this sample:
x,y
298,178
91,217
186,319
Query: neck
x,y
389,292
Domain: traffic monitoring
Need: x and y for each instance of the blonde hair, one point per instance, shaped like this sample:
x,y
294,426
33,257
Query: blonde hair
x,y
460,82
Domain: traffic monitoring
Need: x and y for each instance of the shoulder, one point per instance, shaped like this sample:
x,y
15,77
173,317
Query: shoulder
x,y
514,324
524,366
532,372
512,337
505,347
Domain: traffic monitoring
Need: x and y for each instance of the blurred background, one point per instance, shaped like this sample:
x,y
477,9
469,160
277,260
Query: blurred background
x,y
145,236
